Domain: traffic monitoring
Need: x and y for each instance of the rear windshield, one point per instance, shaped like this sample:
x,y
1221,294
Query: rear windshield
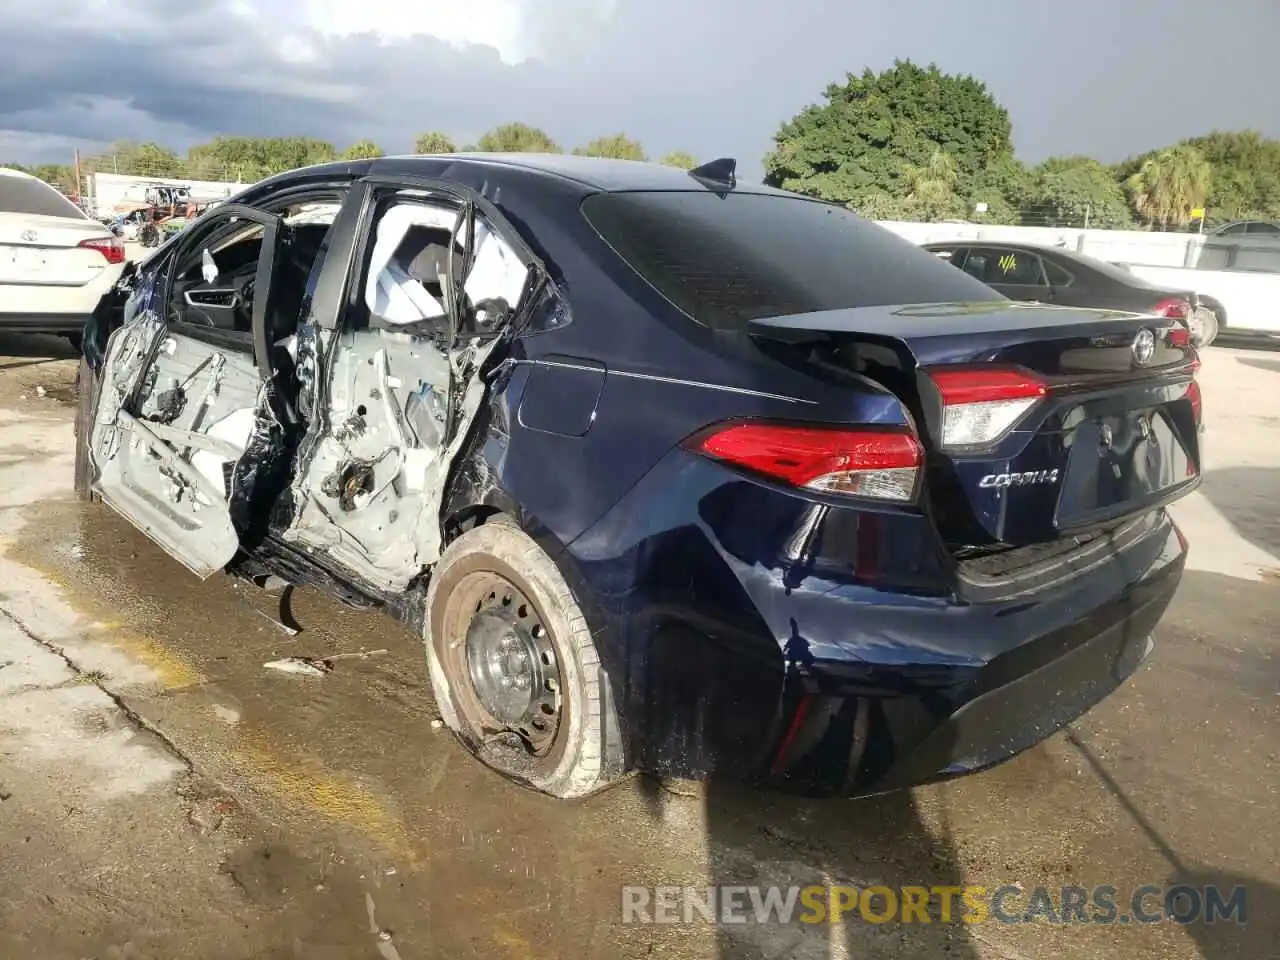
x,y
726,260
30,196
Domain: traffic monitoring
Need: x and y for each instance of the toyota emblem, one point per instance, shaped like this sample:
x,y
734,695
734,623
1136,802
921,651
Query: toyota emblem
x,y
29,236
1144,347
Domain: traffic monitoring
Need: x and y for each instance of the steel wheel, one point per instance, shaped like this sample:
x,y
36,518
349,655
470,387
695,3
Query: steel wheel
x,y
514,666
514,671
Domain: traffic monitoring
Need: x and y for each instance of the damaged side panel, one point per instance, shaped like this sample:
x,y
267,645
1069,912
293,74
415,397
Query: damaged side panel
x,y
369,492
400,393
168,435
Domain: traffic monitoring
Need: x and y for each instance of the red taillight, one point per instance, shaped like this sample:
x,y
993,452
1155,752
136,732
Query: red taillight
x,y
880,464
109,247
1193,394
1172,307
981,404
1178,336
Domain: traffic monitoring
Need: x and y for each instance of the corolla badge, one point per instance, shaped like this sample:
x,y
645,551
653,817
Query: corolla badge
x,y
1029,478
1144,347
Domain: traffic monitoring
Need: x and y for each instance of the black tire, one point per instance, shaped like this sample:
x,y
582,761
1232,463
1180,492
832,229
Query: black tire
x,y
583,754
76,340
87,384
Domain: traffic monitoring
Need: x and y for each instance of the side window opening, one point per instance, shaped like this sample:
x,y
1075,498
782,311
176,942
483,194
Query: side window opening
x,y
409,265
226,302
993,266
1056,275
414,257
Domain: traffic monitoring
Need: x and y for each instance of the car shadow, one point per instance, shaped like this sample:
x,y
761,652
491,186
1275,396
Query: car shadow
x,y
1255,933
1246,497
760,839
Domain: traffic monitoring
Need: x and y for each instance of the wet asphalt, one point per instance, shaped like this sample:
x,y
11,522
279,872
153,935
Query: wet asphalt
x,y
290,816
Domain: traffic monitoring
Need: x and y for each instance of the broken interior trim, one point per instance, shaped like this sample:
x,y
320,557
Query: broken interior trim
x,y
401,398
166,467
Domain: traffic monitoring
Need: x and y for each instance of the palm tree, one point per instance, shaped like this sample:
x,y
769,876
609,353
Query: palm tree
x,y
1170,184
931,188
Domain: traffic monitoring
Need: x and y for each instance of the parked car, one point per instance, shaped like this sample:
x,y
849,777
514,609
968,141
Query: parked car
x,y
672,473
1254,229
56,262
1060,276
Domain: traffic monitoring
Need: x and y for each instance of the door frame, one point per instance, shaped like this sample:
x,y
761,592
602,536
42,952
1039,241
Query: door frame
x,y
340,292
217,538
339,288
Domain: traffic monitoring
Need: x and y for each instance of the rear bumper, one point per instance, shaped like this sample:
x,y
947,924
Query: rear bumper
x,y
44,322
1041,662
766,659
1016,709
38,308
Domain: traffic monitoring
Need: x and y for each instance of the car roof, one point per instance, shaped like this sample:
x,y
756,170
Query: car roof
x,y
602,173
591,174
999,244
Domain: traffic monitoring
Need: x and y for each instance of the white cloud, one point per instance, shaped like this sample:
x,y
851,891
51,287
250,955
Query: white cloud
x,y
519,30
494,23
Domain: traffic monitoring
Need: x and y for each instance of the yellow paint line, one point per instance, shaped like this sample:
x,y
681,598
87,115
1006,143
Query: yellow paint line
x,y
172,670
303,780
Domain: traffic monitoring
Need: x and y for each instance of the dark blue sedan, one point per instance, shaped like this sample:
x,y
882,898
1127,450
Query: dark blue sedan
x,y
673,473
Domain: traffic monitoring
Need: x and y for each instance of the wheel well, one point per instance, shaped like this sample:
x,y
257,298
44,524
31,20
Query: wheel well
x,y
468,518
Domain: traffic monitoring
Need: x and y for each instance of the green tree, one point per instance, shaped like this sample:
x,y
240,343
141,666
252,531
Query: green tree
x,y
517,138
136,159
252,158
433,141
1075,192
679,158
1002,185
1169,184
931,189
875,131
618,146
1245,183
880,206
362,150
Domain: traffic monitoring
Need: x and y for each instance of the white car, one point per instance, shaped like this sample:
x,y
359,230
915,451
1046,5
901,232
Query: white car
x,y
56,262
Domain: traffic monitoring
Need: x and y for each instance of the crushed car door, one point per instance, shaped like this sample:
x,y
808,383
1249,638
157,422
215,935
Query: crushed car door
x,y
184,395
440,286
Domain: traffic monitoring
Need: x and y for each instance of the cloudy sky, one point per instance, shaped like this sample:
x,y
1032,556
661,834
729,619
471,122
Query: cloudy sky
x,y
710,76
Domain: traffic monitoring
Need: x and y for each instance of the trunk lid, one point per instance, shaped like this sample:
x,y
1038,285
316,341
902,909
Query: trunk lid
x,y
46,251
1039,422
